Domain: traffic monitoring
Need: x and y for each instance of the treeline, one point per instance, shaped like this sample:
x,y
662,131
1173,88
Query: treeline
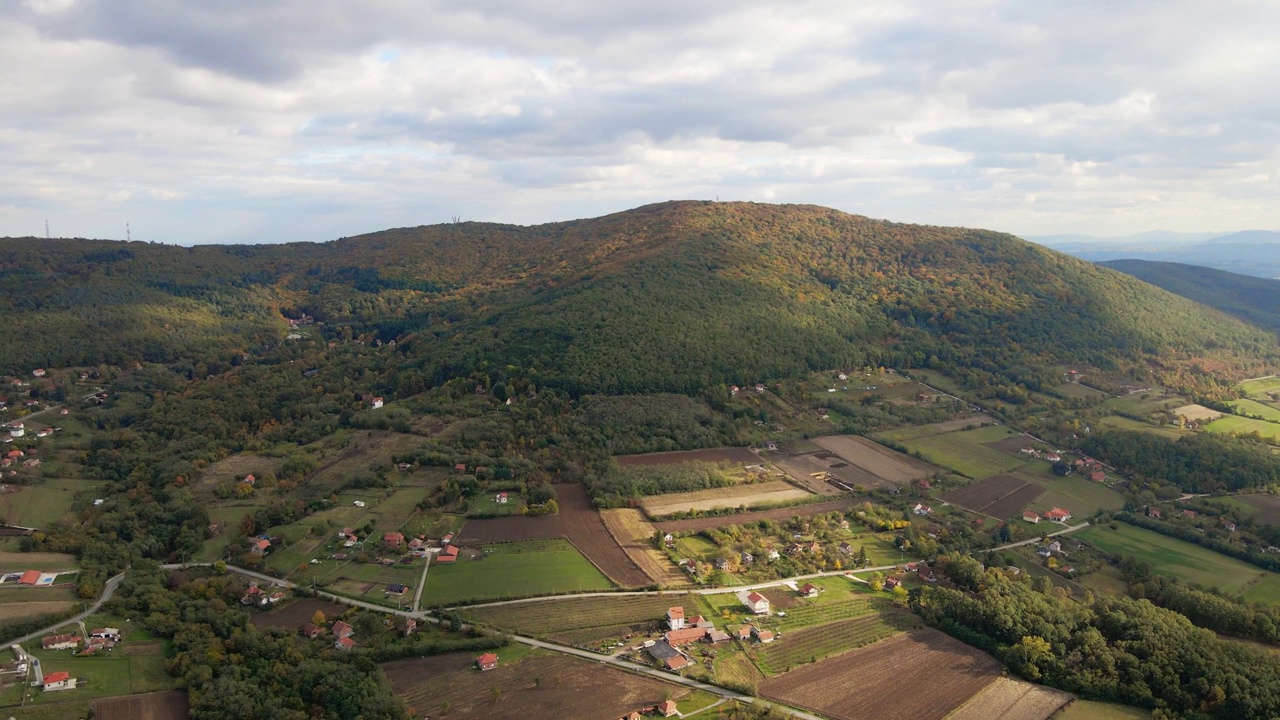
x,y
1115,649
1249,553
1254,621
1202,462
629,482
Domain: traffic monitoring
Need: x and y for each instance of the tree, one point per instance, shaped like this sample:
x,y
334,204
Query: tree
x,y
1026,656
318,619
248,526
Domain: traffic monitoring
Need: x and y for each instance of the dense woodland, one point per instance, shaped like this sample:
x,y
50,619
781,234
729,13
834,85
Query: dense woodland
x,y
1253,299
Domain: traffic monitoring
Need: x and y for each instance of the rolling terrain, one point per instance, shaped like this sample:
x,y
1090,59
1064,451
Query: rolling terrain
x,y
1252,299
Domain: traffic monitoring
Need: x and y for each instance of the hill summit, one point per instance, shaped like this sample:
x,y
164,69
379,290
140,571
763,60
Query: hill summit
x,y
676,296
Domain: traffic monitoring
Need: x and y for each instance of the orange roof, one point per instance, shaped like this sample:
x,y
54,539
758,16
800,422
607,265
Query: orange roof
x,y
56,677
756,597
677,662
29,577
687,635
487,659
675,612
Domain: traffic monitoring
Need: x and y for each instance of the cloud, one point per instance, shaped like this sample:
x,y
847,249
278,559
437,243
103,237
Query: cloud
x,y
244,121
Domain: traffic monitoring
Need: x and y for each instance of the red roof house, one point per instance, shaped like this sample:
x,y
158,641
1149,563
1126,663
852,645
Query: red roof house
x,y
1058,515
1097,476
30,577
809,590
341,629
678,662
344,643
448,555
667,708
1031,516
684,636
260,546
393,539
487,661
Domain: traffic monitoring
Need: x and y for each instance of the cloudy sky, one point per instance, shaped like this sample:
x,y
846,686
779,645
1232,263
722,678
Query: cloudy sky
x,y
275,120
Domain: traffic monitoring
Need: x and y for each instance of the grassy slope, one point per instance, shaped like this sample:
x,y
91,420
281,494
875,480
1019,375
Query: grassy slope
x,y
1256,300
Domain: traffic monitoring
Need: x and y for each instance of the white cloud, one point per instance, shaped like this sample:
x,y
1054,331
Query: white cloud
x,y
250,121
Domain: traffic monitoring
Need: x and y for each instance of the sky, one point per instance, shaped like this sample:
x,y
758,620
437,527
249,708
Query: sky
x,y
269,121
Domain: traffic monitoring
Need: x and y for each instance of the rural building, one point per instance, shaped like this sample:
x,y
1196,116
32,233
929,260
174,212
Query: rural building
x,y
924,484
59,681
1031,516
393,539
487,661
698,621
1058,515
501,498
891,583
1155,513
107,632
667,708
259,546
344,643
661,650
448,538
252,594
410,626
1190,514
755,602
773,554
1052,457
312,631
17,430
395,589
717,636
747,558
690,566
448,555
1228,526
925,573
376,404
762,636
684,636
341,629
249,480
846,548
1097,476
678,662
808,590
669,539
66,641
675,618
921,509
744,632
38,372
460,467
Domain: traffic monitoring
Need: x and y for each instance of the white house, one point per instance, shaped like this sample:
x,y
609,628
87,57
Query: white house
x,y
921,509
755,602
59,681
377,403
17,430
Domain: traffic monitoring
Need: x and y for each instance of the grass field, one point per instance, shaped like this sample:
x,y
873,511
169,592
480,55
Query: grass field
x,y
1076,390
18,561
115,674
516,569
1253,407
1081,496
46,502
1260,386
1145,403
1124,423
1236,425
1186,561
966,451
606,616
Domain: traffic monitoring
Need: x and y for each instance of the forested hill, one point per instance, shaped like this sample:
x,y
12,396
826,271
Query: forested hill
x,y
1253,299
676,296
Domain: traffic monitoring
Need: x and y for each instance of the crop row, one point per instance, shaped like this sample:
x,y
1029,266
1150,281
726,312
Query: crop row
x,y
821,641
572,613
806,615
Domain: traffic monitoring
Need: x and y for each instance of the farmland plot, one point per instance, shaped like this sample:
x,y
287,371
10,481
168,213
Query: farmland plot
x,y
1008,699
766,493
877,460
812,644
941,673
545,617
538,687
736,455
168,705
704,523
1006,494
635,534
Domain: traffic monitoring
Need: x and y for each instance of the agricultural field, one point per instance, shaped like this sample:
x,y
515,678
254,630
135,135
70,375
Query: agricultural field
x,y
1254,408
1124,423
1093,710
515,569
578,520
295,613
1196,412
1081,496
733,455
1005,494
44,503
876,460
868,683
13,612
585,621
635,534
1236,425
536,686
1263,507
1076,390
167,705
967,452
45,561
1009,699
1145,403
704,523
817,642
1185,561
1261,386
773,492
915,432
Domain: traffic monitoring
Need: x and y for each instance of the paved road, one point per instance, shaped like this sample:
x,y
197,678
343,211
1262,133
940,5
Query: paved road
x,y
422,583
319,593
107,592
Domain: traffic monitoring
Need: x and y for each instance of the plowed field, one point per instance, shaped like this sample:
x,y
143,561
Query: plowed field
x,y
1000,496
168,705
774,492
925,674
716,455
1007,699
546,687
635,535
578,521
876,459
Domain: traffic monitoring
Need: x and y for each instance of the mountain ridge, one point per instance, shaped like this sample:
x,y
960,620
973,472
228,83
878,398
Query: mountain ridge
x,y
1252,299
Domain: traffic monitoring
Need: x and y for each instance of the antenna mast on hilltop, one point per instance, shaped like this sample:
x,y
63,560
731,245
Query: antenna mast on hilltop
x,y
128,234
46,229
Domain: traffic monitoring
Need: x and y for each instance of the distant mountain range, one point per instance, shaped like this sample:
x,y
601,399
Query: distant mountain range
x,y
1250,252
1255,300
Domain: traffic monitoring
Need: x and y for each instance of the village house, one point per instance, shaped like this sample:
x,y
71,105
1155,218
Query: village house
x,y
698,621
341,629
344,643
925,573
1058,515
259,546
59,681
667,708
1097,476
846,548
500,498
675,618
460,467
17,430
762,636
410,626
773,554
444,541
448,555
808,590
487,661
376,403
679,662
921,509
396,589
252,594
669,540
892,582
1155,513
716,636
1052,457
38,372
249,480
1031,516
722,563
109,633
755,602
393,539
924,484
312,631
684,636
66,641
1189,514
1228,526
744,632
747,558
690,566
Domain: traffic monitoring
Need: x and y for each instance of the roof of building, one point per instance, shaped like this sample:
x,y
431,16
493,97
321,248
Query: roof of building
x,y
487,659
756,597
57,677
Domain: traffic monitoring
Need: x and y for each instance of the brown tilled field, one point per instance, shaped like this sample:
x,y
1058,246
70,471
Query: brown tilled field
x,y
167,705
578,521
296,613
700,524
918,675
635,534
1008,699
743,456
754,495
1014,502
876,459
538,687
1268,507
981,494
15,611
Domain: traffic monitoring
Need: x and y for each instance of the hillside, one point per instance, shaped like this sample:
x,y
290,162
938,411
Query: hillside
x,y
1255,300
1251,252
670,297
